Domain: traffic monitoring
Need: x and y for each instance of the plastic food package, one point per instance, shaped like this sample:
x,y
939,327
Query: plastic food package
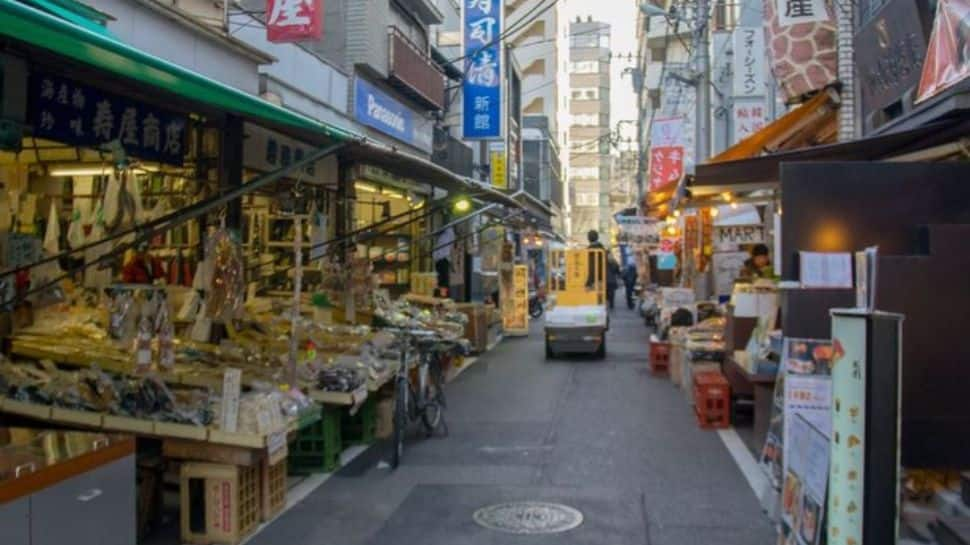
x,y
224,294
121,317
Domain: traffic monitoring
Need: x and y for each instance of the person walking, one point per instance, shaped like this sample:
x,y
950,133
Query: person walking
x,y
630,283
612,278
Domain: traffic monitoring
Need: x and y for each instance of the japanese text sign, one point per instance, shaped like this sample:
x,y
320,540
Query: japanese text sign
x,y
666,166
748,117
749,61
294,20
793,12
482,86
67,111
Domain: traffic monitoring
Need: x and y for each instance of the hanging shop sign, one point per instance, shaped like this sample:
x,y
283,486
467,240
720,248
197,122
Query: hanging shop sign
x,y
265,151
639,230
481,26
666,152
749,61
801,34
889,52
498,165
294,20
515,313
67,111
748,116
948,55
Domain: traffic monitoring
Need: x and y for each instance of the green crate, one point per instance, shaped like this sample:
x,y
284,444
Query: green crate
x,y
359,429
317,447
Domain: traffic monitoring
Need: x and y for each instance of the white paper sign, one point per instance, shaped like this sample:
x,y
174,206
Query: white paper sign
x,y
748,116
749,61
730,236
826,270
793,12
231,388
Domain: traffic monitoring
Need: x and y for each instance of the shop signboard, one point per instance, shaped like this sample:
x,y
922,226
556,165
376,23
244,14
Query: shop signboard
x,y
889,52
948,55
70,112
639,230
748,116
265,151
729,237
380,111
800,37
498,165
515,312
481,26
666,152
294,20
749,61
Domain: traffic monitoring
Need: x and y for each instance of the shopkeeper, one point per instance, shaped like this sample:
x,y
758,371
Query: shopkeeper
x,y
758,265
142,268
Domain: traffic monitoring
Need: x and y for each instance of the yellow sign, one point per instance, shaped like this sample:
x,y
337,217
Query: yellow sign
x,y
515,313
499,169
578,277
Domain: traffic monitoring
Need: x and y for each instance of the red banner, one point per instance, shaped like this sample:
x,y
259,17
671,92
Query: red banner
x,y
294,20
666,166
948,55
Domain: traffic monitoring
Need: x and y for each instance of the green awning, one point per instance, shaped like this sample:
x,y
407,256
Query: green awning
x,y
75,12
47,31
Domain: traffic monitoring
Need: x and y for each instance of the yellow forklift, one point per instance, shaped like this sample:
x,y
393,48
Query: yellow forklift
x,y
578,318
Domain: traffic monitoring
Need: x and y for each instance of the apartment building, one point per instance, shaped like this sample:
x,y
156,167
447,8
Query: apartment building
x,y
590,162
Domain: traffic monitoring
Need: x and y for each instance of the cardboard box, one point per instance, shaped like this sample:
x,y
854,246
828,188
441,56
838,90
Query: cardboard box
x,y
219,503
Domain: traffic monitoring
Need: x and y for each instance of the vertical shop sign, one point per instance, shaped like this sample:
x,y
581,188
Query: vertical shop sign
x,y
516,315
749,62
498,165
748,117
948,55
482,87
666,152
294,20
66,111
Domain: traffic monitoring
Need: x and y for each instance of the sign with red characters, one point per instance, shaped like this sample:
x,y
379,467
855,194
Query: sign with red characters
x,y
666,166
294,20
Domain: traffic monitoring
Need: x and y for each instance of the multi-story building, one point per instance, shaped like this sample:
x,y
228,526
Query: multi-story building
x,y
534,45
589,129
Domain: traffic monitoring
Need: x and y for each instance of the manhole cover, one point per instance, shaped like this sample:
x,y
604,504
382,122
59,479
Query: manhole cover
x,y
529,517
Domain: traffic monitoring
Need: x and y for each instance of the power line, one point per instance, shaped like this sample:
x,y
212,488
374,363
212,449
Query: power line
x,y
526,20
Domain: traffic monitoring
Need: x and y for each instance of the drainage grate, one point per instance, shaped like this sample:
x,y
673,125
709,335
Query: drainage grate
x,y
529,517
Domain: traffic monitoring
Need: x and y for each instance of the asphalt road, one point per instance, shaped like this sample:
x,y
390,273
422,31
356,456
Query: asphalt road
x,y
603,437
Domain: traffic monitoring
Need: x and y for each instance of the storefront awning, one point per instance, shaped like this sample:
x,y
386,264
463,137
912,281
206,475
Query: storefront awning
x,y
763,172
65,37
418,168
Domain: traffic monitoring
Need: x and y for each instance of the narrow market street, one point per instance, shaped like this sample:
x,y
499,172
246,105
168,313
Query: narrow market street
x,y
606,438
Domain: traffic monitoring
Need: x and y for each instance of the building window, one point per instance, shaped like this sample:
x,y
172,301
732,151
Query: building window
x,y
584,67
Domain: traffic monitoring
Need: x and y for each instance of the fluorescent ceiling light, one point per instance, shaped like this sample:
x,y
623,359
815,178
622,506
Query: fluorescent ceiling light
x,y
391,193
367,188
81,170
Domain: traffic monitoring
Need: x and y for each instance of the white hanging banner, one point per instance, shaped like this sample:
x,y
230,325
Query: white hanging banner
x,y
793,12
749,61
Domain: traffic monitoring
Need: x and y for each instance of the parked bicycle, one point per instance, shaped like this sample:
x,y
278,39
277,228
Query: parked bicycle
x,y
425,400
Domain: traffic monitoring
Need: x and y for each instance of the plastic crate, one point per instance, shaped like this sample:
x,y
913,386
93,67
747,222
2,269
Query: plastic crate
x,y
712,400
317,447
360,428
219,503
659,357
272,489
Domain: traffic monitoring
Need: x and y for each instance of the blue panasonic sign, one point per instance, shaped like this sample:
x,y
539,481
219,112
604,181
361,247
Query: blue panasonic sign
x,y
374,108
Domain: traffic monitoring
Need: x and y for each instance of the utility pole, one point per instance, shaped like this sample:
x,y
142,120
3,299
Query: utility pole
x,y
702,56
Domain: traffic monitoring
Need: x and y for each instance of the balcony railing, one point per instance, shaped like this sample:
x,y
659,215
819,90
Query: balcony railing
x,y
413,72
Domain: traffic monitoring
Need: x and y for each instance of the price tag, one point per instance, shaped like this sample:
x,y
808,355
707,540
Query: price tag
x,y
231,387
276,447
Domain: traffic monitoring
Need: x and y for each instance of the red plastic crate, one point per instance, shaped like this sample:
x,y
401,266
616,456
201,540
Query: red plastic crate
x,y
659,357
712,400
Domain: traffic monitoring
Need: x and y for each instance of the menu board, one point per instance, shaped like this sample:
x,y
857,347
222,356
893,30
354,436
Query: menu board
x,y
849,428
806,479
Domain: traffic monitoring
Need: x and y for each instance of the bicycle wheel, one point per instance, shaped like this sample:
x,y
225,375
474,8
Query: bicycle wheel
x,y
400,422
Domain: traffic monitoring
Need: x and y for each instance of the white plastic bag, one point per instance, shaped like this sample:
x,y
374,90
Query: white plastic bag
x,y
52,234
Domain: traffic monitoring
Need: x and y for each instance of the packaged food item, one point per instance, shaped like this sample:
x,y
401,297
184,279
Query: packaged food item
x,y
224,295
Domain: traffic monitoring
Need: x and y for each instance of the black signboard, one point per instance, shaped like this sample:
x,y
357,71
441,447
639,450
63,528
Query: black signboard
x,y
889,52
66,111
